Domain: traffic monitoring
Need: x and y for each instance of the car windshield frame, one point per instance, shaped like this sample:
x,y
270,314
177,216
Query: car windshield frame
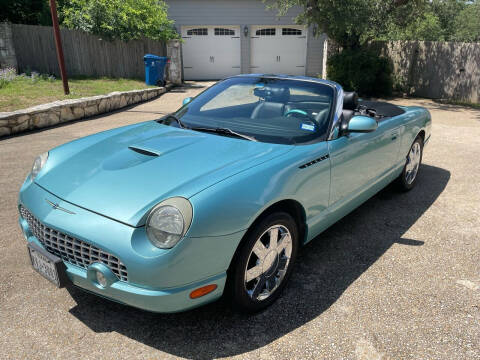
x,y
300,128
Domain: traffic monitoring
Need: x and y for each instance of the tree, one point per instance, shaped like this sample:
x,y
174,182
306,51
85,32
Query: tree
x,y
353,22
120,19
446,11
32,12
467,23
426,27
434,22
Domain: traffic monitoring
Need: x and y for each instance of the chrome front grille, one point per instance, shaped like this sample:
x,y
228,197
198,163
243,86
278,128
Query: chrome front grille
x,y
72,250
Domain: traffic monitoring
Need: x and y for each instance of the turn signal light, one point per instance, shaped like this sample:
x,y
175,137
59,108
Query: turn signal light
x,y
204,290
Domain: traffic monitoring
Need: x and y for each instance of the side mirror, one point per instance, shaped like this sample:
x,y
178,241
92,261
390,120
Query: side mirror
x,y
362,124
186,100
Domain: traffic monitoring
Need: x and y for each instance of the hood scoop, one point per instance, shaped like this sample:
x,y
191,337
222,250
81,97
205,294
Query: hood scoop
x,y
144,151
127,158
149,149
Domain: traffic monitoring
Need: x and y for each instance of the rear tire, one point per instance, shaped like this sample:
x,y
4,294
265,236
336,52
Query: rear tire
x,y
264,263
408,178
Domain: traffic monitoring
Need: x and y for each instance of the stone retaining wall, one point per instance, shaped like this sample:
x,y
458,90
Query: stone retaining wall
x,y
59,112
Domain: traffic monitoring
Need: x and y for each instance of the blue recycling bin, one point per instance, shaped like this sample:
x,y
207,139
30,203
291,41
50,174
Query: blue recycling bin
x,y
154,69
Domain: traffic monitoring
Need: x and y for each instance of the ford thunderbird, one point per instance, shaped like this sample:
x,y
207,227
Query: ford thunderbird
x,y
218,197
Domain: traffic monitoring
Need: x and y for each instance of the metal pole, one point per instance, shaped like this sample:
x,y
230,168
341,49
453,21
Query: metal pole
x,y
58,45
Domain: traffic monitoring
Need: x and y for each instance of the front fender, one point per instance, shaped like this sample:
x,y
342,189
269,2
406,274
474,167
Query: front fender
x,y
233,204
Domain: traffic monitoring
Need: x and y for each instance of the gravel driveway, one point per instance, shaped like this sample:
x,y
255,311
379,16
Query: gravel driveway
x,y
399,278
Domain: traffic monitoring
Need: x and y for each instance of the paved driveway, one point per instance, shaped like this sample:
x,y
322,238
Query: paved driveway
x,y
397,279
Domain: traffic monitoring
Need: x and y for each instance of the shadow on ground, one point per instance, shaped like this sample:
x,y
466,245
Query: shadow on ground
x,y
187,86
326,267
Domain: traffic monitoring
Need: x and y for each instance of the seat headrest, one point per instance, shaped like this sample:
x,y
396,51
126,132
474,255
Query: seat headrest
x,y
350,100
273,94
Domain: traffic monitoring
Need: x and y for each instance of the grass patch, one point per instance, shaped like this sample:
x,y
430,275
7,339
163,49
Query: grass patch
x,y
24,92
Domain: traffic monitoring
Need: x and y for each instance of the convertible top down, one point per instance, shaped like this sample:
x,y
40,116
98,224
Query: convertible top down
x,y
217,197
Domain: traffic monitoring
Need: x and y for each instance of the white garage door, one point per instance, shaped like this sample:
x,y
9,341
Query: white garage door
x,y
278,49
210,52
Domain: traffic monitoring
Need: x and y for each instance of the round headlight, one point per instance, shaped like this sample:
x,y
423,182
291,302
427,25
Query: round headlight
x,y
38,164
168,222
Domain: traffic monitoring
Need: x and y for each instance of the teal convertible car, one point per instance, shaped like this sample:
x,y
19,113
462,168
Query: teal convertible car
x,y
217,197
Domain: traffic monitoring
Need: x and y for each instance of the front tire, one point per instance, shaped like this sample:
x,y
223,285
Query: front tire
x,y
409,175
264,262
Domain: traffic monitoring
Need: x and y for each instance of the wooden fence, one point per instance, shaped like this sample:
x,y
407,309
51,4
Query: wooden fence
x,y
436,69
85,54
431,69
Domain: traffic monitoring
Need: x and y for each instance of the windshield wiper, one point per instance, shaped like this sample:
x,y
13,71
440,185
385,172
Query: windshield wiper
x,y
224,131
173,117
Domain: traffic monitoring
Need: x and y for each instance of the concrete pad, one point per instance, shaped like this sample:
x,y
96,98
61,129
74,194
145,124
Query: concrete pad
x,y
396,279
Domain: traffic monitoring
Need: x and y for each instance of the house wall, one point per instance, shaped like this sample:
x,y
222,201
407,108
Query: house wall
x,y
243,13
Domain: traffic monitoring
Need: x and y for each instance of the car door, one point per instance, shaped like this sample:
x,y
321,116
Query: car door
x,y
361,160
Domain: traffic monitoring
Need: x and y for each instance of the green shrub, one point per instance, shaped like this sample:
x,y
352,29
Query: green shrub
x,y
361,70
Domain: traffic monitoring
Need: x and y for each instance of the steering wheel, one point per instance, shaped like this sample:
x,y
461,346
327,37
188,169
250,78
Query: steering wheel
x,y
295,112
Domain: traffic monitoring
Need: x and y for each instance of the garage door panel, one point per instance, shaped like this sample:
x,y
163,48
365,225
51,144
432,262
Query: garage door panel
x,y
278,49
210,52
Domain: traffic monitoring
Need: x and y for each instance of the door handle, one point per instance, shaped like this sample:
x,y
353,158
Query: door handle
x,y
394,135
212,59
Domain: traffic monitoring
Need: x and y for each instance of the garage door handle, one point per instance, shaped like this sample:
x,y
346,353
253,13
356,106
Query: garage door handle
x,y
212,59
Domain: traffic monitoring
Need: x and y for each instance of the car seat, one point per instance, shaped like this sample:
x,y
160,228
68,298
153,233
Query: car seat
x,y
273,103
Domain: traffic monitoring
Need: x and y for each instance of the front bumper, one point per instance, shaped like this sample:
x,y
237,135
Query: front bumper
x,y
158,280
162,301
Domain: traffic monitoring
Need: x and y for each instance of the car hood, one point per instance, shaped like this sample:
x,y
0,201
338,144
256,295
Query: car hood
x,y
125,172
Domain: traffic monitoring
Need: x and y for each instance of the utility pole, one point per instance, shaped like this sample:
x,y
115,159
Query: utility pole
x,y
58,45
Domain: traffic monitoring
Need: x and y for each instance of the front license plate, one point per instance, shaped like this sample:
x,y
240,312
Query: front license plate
x,y
49,266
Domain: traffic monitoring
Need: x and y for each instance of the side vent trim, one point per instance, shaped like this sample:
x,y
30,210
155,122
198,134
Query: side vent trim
x,y
324,157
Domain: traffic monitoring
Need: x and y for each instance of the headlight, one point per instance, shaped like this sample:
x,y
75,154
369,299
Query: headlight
x,y
38,164
168,222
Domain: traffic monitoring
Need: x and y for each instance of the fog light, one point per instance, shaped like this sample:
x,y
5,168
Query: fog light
x,y
101,279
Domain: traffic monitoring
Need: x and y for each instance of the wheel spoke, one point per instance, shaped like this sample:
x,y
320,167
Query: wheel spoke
x,y
273,233
285,243
408,177
282,262
257,289
254,272
259,249
270,283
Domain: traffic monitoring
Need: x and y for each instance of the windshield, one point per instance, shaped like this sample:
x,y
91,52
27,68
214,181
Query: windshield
x,y
266,109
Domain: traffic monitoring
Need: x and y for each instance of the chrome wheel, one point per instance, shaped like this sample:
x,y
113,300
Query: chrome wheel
x,y
268,262
413,162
